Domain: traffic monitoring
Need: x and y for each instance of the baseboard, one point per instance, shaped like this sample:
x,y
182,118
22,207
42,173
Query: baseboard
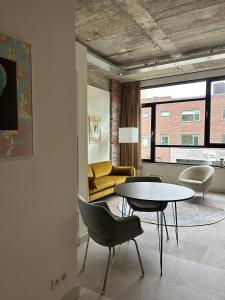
x,y
72,294
82,238
217,190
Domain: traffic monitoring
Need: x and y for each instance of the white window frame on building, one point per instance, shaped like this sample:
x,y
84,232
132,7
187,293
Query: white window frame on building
x,y
164,114
194,114
223,114
164,137
145,114
223,138
146,137
194,138
218,88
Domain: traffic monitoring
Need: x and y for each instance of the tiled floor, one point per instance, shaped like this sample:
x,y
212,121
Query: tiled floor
x,y
194,270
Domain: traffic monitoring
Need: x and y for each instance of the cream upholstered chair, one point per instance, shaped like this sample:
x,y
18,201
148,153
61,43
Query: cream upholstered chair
x,y
198,178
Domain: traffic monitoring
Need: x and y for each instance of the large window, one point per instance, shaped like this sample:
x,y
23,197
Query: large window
x,y
185,122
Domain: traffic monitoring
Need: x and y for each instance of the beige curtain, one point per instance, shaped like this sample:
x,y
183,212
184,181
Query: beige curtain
x,y
130,117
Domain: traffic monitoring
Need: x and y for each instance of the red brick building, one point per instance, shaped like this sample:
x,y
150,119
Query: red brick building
x,y
181,123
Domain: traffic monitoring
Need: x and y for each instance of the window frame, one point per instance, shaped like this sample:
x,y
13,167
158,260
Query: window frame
x,y
193,135
185,112
206,117
223,114
147,137
162,136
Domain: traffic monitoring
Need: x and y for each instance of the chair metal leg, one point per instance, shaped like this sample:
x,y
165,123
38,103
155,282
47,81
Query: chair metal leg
x,y
158,228
139,258
114,251
106,272
167,234
122,206
85,255
176,227
129,211
161,241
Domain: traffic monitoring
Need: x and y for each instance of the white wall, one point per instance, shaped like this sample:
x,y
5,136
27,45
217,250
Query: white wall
x,y
37,203
81,95
170,173
99,104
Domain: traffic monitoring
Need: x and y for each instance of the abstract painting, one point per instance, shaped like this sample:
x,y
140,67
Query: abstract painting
x,y
94,129
16,133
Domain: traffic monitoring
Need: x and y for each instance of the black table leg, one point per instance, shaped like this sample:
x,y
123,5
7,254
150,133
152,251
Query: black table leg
x,y
176,227
161,241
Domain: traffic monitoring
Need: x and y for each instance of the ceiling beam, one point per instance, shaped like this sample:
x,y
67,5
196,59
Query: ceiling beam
x,y
179,63
103,64
171,64
149,26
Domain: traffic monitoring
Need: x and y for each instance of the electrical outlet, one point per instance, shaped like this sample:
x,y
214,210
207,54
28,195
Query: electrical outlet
x,y
58,281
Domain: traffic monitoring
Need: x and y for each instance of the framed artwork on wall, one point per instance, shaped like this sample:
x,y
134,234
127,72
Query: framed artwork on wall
x,y
94,129
16,132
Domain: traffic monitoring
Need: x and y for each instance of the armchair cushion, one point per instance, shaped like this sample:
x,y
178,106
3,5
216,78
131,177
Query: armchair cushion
x,y
118,179
91,182
90,172
101,169
128,171
104,182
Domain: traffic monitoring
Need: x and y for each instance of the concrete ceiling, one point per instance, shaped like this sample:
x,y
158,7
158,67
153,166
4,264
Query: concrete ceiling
x,y
132,33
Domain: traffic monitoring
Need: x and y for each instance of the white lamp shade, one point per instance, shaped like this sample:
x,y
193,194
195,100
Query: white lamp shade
x,y
128,135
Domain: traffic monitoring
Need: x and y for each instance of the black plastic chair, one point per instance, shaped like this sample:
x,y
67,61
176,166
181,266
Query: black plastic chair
x,y
147,206
150,206
108,230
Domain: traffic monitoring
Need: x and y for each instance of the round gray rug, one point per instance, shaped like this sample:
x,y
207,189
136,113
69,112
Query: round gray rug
x,y
190,213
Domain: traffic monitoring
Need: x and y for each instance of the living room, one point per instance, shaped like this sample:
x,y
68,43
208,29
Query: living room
x,y
168,250
159,68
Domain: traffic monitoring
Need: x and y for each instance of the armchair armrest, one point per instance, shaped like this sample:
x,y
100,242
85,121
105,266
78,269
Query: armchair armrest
x,y
127,171
103,204
127,229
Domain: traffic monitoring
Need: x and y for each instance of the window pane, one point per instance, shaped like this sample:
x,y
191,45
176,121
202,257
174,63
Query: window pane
x,y
179,132
217,117
146,133
198,156
174,92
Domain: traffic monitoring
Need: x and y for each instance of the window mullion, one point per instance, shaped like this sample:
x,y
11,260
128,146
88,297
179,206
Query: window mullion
x,y
153,135
207,113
